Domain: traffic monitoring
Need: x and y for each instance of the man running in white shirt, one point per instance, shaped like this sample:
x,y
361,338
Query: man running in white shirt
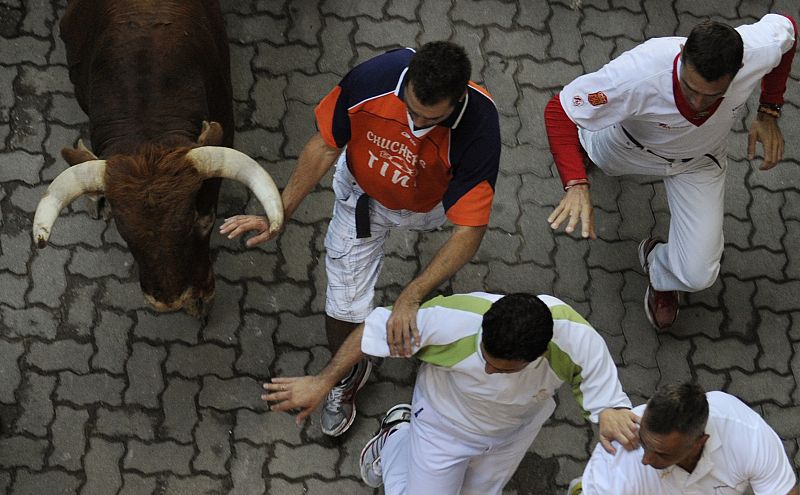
x,y
490,367
693,443
665,108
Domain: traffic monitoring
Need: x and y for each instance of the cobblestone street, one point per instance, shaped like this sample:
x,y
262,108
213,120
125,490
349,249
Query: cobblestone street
x,y
101,395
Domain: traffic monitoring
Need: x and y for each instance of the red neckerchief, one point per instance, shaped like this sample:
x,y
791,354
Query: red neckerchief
x,y
696,118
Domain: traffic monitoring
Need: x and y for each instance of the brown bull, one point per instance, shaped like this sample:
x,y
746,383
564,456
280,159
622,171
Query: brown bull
x,y
151,74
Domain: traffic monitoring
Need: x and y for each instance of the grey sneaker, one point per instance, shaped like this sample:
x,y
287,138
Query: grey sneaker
x,y
339,410
370,460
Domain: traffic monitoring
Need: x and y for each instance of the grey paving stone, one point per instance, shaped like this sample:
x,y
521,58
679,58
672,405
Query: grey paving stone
x,y
291,362
737,232
223,322
532,14
297,242
115,423
49,280
266,427
241,74
246,468
761,387
572,277
180,409
665,13
50,482
769,295
25,49
776,349
166,327
387,33
397,272
19,451
28,127
88,389
698,320
356,8
231,394
724,354
320,357
335,44
213,440
38,17
27,198
566,34
512,278
784,420
69,439
298,132
737,299
128,296
145,379
285,59
484,12
607,308
316,208
111,341
505,206
538,241
402,8
257,351
102,467
301,332
499,80
282,487
9,370
77,228
31,322
20,165
65,110
252,28
309,89
60,355
469,278
298,462
768,202
435,22
193,484
158,457
270,104
95,263
561,439
200,360
7,76
292,297
642,340
637,380
35,403
305,23
40,80
134,484
12,290
618,23
725,9
614,256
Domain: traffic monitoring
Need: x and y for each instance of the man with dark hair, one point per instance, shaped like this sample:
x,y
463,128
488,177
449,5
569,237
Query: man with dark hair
x,y
490,367
665,108
693,442
414,142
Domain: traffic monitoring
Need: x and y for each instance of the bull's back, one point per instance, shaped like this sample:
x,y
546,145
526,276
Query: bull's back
x,y
148,71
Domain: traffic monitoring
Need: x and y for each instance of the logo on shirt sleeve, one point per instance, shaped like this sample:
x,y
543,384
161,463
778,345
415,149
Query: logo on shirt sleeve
x,y
597,99
577,100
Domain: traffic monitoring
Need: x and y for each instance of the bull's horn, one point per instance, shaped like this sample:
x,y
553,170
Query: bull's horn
x,y
78,179
218,161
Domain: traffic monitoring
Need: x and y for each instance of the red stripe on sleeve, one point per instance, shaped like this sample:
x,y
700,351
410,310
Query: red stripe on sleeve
x,y
773,85
565,146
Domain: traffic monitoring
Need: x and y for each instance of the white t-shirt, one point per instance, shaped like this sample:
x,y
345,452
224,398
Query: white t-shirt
x,y
741,451
636,90
453,379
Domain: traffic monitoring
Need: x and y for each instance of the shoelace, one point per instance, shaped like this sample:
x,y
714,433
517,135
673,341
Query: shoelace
x,y
334,401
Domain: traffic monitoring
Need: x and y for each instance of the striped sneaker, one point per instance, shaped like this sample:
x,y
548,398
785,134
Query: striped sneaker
x,y
370,460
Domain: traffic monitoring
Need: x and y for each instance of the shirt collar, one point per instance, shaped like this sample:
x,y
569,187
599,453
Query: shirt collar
x,y
451,121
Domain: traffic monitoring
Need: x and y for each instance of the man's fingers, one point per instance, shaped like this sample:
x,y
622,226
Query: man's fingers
x,y
556,212
258,238
415,333
302,415
751,145
574,216
607,445
406,332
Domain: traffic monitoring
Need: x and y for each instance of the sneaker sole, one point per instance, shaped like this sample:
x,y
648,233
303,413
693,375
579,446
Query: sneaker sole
x,y
361,469
346,425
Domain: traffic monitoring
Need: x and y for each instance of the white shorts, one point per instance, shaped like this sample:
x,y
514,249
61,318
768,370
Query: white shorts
x,y
352,264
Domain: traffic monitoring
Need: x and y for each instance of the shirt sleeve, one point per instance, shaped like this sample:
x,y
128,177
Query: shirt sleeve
x,y
562,134
773,86
618,474
470,192
579,356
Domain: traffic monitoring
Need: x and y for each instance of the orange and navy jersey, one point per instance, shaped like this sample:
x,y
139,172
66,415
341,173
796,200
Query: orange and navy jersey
x,y
454,162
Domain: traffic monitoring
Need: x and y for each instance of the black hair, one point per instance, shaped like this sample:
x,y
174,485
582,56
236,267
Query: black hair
x,y
714,50
439,71
517,327
682,408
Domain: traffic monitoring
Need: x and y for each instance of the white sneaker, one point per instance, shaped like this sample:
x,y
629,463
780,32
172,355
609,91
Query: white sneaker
x,y
370,460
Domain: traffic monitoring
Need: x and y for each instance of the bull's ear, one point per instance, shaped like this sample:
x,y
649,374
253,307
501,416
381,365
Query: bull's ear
x,y
81,154
211,135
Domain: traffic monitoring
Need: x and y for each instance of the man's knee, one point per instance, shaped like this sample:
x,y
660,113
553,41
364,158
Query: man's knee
x,y
699,276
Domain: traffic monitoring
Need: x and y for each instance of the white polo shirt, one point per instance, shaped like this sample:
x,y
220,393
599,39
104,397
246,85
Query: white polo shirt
x,y
636,91
741,451
453,379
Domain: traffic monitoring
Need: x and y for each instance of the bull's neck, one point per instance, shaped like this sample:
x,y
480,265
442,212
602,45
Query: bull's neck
x,y
112,138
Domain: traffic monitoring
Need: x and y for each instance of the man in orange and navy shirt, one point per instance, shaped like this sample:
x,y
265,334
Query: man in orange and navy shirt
x,y
414,142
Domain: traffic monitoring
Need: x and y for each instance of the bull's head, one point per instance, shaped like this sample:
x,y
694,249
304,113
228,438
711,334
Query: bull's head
x,y
157,214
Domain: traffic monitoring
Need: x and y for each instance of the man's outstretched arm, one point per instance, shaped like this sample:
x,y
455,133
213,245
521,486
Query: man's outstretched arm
x,y
307,392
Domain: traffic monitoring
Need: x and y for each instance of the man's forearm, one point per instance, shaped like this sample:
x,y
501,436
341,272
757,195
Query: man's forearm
x,y
345,358
314,162
456,252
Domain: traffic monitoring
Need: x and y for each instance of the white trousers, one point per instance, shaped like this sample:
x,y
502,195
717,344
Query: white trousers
x,y
689,261
431,456
353,265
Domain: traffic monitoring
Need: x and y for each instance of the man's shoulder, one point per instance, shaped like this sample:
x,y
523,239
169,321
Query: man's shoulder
x,y
378,75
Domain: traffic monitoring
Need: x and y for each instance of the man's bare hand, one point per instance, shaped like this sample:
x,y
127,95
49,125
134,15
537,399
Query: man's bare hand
x,y
765,130
401,329
621,425
239,224
303,392
575,206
